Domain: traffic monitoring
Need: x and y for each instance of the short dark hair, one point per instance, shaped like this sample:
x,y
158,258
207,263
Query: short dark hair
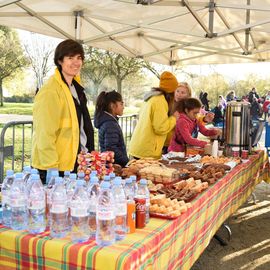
x,y
187,103
67,47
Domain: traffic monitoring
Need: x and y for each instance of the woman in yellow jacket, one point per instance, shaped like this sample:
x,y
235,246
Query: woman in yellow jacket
x,y
154,123
61,122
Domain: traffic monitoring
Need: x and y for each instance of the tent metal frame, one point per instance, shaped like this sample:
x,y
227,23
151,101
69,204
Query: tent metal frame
x,y
139,29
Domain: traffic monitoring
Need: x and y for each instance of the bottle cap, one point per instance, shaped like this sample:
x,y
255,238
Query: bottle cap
x,y
66,173
18,175
73,176
55,173
112,175
133,177
143,182
93,173
80,174
58,180
128,181
34,171
35,177
26,168
105,184
107,178
117,181
80,182
10,172
93,180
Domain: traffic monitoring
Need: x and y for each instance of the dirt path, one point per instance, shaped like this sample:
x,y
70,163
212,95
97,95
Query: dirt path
x,y
249,248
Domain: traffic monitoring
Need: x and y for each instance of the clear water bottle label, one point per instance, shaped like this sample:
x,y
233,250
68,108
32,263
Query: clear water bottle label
x,y
92,208
120,209
34,205
17,202
59,208
79,212
105,215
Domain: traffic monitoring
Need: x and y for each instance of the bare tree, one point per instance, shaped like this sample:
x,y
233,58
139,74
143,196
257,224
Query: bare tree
x,y
94,69
39,51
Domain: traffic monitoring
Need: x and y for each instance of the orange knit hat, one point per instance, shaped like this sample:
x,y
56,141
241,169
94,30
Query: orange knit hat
x,y
168,82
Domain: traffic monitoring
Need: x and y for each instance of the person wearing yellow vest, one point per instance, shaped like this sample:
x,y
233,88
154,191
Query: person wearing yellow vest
x,y
61,122
154,123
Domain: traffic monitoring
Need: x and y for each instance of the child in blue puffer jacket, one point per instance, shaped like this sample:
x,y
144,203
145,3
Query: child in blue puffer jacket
x,y
109,106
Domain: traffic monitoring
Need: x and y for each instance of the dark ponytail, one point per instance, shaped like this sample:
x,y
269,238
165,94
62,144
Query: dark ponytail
x,y
187,104
105,99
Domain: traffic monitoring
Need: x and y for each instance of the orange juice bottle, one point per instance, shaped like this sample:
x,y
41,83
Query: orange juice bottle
x,y
131,216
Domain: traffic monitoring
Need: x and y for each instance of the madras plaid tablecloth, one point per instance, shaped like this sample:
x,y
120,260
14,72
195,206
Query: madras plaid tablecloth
x,y
162,244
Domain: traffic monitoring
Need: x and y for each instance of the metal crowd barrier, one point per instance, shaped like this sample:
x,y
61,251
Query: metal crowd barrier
x,y
16,139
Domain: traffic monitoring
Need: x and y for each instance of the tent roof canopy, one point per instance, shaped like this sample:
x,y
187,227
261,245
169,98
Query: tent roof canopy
x,y
162,31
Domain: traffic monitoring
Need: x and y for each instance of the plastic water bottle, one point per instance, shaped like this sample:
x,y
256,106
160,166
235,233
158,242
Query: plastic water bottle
x,y
134,183
36,206
26,173
131,208
79,214
66,177
59,210
93,190
18,203
29,180
70,188
105,234
50,186
7,183
120,209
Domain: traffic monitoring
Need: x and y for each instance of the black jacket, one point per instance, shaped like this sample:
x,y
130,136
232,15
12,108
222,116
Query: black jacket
x,y
111,137
82,109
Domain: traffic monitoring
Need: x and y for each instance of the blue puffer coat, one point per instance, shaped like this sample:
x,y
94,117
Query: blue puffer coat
x,y
111,137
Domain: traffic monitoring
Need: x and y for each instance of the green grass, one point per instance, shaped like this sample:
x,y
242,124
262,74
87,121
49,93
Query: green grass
x,y
27,109
17,108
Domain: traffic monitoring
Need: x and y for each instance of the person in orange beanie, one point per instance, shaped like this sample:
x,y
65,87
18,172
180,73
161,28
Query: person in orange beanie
x,y
154,123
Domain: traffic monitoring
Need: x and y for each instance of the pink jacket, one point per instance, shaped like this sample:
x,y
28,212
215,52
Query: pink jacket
x,y
183,133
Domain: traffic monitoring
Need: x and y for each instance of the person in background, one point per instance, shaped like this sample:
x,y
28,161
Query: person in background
x,y
222,102
230,96
267,96
218,119
253,93
187,123
154,122
256,109
109,106
266,107
205,101
61,121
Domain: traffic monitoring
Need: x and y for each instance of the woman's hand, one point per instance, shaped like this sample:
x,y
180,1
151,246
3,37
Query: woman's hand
x,y
176,115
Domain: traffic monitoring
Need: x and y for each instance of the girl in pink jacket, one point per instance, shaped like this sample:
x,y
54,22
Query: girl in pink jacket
x,y
187,124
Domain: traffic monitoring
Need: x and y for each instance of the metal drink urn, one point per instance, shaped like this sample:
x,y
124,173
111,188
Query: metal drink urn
x,y
237,127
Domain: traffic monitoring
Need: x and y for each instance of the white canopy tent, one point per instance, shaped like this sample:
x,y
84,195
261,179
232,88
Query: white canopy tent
x,y
161,31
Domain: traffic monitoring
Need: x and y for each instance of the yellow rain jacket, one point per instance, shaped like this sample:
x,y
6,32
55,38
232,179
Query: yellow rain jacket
x,y
152,128
55,126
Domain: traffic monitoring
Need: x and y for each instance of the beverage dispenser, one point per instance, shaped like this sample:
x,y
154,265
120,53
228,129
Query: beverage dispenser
x,y
237,127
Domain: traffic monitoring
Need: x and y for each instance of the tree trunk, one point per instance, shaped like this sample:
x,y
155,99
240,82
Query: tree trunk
x,y
95,91
119,86
1,93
